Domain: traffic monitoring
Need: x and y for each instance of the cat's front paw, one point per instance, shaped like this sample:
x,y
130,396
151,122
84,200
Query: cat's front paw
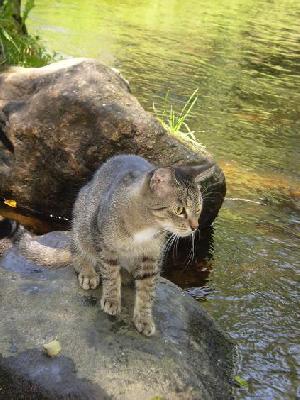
x,y
88,281
144,325
111,307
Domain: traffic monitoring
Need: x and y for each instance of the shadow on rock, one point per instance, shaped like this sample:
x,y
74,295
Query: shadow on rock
x,y
32,375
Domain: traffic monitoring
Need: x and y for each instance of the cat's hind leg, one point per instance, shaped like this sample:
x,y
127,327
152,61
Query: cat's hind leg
x,y
88,278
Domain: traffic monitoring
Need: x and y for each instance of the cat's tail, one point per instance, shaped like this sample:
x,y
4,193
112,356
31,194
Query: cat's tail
x,y
33,250
41,254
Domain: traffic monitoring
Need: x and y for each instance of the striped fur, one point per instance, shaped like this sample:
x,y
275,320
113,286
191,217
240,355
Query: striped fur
x,y
40,254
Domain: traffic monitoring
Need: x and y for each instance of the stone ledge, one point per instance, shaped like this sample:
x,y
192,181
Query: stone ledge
x,y
189,358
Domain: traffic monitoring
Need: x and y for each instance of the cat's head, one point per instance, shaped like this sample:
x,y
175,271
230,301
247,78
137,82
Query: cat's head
x,y
175,199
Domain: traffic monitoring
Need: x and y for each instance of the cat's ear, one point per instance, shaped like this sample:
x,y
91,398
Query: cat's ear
x,y
199,172
160,182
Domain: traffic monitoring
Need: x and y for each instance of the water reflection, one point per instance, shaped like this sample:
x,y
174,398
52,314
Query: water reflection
x,y
244,58
33,220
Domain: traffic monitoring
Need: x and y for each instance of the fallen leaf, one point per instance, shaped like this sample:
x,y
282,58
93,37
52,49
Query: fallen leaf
x,y
11,203
241,382
52,348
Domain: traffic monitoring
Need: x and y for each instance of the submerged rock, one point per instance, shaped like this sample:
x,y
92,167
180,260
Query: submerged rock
x,y
60,122
104,357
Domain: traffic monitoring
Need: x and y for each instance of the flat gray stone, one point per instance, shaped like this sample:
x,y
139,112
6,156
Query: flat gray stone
x,y
104,357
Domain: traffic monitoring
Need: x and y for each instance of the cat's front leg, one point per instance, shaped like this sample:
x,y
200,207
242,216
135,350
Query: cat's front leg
x,y
145,281
111,283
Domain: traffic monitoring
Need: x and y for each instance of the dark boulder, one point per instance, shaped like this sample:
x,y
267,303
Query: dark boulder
x,y
60,122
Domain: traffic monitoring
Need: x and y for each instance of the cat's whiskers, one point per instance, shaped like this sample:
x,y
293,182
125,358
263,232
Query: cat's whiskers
x,y
169,242
191,254
193,244
166,246
175,247
188,260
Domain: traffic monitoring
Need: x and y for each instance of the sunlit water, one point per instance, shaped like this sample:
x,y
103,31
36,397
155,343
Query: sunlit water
x,y
244,56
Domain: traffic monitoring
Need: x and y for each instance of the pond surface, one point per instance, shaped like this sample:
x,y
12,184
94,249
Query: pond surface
x,y
244,57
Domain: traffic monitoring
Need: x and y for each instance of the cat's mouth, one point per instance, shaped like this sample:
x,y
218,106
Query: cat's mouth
x,y
182,233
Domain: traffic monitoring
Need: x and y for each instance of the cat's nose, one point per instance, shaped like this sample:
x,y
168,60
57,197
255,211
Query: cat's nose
x,y
193,224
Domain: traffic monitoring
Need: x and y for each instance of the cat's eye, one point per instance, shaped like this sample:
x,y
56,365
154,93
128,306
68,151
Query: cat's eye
x,y
160,208
180,211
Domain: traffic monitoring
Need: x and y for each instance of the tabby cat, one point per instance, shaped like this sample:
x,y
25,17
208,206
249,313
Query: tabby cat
x,y
121,219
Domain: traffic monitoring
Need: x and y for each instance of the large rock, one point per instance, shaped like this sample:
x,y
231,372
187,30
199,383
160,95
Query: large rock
x,y
60,122
103,357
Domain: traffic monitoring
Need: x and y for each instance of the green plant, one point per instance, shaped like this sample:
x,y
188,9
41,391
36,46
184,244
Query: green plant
x,y
172,120
17,47
29,4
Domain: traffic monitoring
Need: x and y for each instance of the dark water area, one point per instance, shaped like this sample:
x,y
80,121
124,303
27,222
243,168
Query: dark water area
x,y
244,58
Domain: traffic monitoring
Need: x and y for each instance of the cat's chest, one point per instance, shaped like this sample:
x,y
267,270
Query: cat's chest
x,y
144,235
142,242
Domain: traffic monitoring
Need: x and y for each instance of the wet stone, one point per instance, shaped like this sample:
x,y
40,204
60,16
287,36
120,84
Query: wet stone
x,y
104,357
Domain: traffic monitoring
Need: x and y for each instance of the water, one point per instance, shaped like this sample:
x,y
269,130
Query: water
x,y
244,56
